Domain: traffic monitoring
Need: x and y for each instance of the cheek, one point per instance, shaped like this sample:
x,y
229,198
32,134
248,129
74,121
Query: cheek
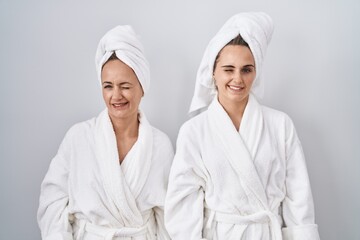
x,y
250,81
106,95
221,82
133,95
138,96
220,79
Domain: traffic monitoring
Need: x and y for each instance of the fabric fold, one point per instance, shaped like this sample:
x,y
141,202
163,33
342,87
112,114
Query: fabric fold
x,y
139,155
254,187
115,180
240,153
252,125
237,153
123,41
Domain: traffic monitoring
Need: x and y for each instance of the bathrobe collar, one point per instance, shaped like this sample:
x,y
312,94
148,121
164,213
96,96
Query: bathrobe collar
x,y
240,148
123,184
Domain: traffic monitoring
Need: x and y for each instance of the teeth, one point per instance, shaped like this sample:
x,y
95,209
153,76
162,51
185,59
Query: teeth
x,y
119,104
234,88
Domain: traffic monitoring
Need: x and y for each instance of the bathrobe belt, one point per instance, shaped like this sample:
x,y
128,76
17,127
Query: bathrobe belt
x,y
122,233
242,221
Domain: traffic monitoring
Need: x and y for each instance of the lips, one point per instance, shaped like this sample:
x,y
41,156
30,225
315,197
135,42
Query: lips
x,y
235,88
119,106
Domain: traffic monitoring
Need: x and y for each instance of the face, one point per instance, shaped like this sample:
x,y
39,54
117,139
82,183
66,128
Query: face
x,y
234,74
121,90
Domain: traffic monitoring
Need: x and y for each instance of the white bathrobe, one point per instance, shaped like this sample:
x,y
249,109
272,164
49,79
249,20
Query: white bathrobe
x,y
87,194
252,184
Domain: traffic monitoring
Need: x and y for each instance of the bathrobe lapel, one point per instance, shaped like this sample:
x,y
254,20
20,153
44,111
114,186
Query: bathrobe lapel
x,y
136,165
240,150
122,186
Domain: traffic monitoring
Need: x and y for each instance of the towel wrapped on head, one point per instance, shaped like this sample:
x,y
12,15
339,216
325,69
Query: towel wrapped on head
x,y
256,29
123,41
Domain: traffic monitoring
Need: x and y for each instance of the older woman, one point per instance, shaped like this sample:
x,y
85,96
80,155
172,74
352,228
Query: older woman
x,y
239,170
109,177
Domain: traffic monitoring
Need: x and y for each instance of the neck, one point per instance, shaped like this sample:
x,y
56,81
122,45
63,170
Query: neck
x,y
126,127
235,110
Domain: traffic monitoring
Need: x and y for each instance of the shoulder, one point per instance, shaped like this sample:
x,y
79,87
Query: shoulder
x,y
76,135
162,150
160,138
279,122
192,132
277,118
274,114
80,128
194,125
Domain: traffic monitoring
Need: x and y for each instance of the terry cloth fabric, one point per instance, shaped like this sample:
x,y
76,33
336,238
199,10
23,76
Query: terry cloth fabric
x,y
123,41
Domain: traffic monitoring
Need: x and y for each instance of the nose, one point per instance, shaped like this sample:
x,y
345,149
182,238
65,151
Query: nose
x,y
238,78
117,93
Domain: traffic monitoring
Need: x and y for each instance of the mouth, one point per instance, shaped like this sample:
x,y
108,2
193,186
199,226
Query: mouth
x,y
236,88
120,106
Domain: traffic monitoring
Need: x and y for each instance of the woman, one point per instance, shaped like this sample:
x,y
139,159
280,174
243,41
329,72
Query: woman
x,y
239,170
109,177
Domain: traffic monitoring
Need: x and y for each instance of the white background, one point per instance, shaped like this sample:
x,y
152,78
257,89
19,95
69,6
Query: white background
x,y
48,83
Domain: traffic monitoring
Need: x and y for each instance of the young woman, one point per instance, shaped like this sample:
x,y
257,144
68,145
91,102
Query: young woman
x,y
239,170
109,177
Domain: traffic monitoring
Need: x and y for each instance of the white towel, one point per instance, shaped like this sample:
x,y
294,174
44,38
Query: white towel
x,y
256,29
124,42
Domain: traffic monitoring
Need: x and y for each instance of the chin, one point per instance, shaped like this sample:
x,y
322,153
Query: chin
x,y
123,114
239,97
235,98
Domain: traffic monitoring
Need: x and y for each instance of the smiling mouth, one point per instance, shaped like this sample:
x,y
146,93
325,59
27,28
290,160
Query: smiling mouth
x,y
120,105
236,88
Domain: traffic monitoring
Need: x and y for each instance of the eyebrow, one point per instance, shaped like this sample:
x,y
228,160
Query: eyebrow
x,y
231,66
249,65
227,66
123,83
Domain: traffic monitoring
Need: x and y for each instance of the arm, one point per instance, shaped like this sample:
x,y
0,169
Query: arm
x,y
185,198
298,206
53,216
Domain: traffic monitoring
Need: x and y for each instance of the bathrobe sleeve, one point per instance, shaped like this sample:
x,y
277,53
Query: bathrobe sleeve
x,y
298,207
53,216
185,197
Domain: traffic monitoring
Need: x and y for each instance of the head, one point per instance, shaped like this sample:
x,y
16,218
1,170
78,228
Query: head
x,y
234,72
121,89
255,28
